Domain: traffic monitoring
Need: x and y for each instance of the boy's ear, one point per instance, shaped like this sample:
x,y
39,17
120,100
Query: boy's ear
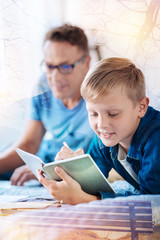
x,y
143,105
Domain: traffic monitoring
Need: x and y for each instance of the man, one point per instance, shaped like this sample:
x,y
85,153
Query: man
x,y
60,110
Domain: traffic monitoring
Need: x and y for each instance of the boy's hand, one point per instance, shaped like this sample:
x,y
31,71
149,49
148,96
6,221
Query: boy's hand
x,y
67,190
66,152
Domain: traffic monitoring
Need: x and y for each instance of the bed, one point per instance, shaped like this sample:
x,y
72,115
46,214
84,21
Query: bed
x,y
127,217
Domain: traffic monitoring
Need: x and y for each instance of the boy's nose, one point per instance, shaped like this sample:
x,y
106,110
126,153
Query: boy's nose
x,y
103,122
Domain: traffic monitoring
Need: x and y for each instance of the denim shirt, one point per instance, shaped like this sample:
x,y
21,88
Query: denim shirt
x,y
143,155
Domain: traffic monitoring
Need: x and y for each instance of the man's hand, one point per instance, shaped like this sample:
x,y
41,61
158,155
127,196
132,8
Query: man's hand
x,y
66,152
67,190
21,175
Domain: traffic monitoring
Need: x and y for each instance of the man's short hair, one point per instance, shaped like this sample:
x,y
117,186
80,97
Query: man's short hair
x,y
112,73
68,33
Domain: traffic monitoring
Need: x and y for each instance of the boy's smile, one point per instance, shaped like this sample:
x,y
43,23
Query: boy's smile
x,y
107,135
115,118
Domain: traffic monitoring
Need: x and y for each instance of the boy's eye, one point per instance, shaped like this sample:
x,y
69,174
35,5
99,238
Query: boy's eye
x,y
92,114
113,114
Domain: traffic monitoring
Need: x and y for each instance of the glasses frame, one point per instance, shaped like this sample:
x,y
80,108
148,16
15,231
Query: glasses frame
x,y
50,68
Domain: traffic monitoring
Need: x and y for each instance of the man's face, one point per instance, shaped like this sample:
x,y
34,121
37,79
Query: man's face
x,y
65,86
115,118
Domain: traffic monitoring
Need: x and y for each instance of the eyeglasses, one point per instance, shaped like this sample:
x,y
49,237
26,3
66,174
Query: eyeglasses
x,y
62,68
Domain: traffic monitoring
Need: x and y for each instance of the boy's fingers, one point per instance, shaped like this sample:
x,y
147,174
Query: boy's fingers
x,y
66,149
62,174
41,178
80,151
50,185
64,154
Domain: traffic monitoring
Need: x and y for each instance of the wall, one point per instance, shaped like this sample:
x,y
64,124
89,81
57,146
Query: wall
x,y
121,28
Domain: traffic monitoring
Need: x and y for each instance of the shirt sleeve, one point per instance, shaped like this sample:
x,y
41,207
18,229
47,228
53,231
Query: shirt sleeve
x,y
101,158
40,97
149,175
35,114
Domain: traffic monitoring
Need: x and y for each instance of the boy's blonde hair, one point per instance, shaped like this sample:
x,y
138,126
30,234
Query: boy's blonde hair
x,y
111,73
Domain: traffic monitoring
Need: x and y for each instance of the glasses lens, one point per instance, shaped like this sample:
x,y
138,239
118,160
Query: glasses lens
x,y
65,69
46,68
49,68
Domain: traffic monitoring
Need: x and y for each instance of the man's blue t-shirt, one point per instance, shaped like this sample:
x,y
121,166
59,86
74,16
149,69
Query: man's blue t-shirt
x,y
62,124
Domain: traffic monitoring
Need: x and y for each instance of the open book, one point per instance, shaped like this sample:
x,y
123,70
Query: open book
x,y
81,168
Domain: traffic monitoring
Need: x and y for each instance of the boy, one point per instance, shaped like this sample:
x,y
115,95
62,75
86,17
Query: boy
x,y
127,130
